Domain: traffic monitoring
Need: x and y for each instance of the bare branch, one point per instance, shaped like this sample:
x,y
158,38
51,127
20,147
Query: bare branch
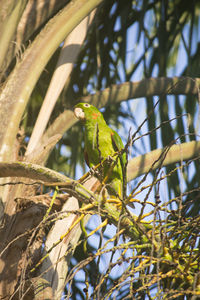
x,y
125,91
144,88
177,153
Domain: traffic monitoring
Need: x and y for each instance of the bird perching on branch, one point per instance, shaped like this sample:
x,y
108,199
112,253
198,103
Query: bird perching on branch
x,y
103,146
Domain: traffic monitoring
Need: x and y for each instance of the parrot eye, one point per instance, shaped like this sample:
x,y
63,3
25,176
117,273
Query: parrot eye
x,y
86,105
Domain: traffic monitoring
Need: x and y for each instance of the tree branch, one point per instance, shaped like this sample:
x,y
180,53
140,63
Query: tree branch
x,y
176,154
32,171
126,91
136,167
144,88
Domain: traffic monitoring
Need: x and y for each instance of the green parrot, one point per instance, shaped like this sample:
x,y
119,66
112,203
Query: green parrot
x,y
102,142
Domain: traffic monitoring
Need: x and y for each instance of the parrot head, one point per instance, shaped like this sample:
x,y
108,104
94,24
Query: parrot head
x,y
87,112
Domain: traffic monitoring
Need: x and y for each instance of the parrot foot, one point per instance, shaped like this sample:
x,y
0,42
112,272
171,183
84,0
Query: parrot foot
x,y
94,171
110,159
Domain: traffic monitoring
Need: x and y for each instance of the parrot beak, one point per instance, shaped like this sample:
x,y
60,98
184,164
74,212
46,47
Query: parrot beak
x,y
79,113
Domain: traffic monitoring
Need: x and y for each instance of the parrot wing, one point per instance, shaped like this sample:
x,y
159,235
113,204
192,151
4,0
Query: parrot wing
x,y
118,145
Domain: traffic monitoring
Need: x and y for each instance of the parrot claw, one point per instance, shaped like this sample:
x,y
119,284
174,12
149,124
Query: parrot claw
x,y
93,171
110,159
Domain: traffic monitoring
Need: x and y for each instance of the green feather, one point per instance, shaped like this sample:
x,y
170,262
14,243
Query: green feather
x,y
101,142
